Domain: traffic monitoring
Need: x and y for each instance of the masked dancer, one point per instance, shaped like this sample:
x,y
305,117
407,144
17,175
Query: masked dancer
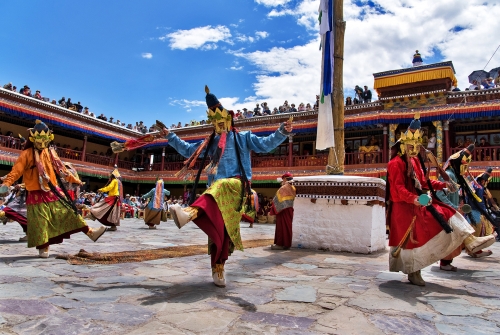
x,y
108,209
480,216
422,230
156,204
219,209
52,216
14,208
456,165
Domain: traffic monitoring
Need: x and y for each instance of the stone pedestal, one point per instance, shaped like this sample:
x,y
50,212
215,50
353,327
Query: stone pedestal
x,y
339,213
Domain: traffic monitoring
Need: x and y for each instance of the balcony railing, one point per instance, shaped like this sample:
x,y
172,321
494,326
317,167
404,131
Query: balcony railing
x,y
483,154
100,160
373,157
269,161
10,142
310,160
69,154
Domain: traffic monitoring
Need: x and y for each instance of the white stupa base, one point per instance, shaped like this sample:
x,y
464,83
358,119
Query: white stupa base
x,y
339,213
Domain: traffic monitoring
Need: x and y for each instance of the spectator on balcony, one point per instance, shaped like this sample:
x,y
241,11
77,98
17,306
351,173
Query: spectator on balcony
x,y
256,111
8,86
111,119
302,107
431,142
109,152
308,107
482,152
292,109
373,141
348,101
275,111
497,80
86,111
489,83
14,88
38,95
265,109
316,104
367,95
237,114
79,107
92,114
129,126
70,105
474,86
243,113
62,102
118,122
286,106
250,114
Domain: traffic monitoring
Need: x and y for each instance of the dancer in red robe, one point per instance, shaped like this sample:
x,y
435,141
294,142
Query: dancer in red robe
x,y
423,230
282,207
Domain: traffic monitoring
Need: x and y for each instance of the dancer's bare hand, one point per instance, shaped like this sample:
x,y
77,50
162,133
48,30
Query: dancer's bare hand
x,y
288,126
416,203
165,131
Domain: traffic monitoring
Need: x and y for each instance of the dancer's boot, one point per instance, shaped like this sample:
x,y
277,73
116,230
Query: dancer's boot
x,y
218,275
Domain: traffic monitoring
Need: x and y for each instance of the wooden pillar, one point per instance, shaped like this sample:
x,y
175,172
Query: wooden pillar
x,y
84,148
142,158
290,150
384,154
163,159
392,134
138,190
336,155
439,141
447,145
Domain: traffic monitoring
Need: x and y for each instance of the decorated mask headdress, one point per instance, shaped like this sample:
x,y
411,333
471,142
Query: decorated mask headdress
x,y
40,135
460,161
411,140
486,175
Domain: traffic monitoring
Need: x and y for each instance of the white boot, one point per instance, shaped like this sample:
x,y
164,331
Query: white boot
x,y
474,244
218,275
94,234
180,216
43,253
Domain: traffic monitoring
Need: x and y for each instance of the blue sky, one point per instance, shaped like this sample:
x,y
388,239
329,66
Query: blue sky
x,y
147,60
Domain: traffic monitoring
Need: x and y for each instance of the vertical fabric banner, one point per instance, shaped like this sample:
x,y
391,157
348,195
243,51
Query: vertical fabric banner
x,y
324,136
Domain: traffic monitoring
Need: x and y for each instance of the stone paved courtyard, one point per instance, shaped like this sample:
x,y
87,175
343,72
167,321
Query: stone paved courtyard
x,y
269,292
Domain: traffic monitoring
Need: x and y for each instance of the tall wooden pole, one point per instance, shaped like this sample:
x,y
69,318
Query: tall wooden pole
x,y
337,155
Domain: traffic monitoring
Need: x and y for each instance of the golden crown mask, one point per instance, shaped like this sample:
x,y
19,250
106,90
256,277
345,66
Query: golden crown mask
x,y
218,115
410,137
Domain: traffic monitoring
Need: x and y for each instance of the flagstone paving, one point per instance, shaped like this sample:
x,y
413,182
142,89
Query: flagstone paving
x,y
297,291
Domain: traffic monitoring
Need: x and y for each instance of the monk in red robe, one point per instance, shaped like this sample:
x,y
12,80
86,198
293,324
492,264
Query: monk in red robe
x,y
422,230
282,207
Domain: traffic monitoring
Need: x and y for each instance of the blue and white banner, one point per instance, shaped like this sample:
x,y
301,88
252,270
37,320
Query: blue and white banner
x,y
324,137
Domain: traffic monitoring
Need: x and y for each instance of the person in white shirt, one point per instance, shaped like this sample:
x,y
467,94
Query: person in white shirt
x,y
431,144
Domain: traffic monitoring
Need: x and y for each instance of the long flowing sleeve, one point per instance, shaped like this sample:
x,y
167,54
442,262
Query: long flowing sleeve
x,y
111,186
17,169
265,143
149,194
181,146
399,192
166,192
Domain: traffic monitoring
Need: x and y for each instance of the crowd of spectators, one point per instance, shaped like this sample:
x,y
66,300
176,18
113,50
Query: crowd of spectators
x,y
361,96
485,85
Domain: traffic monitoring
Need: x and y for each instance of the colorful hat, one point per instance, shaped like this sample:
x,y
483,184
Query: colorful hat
x,y
115,173
486,175
460,160
216,112
287,176
413,135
